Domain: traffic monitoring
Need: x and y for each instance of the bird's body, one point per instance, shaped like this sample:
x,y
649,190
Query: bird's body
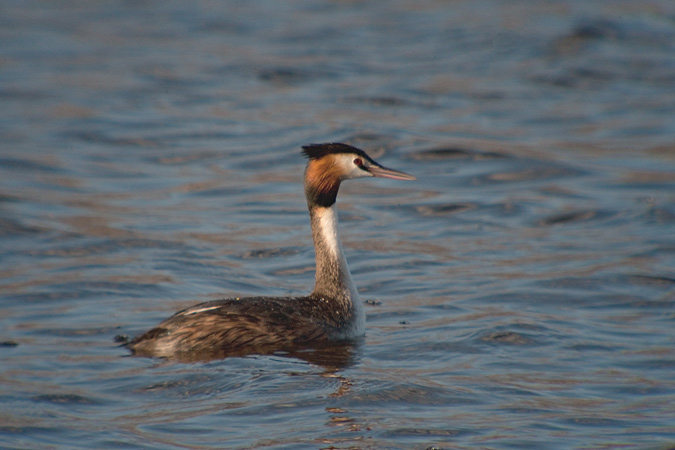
x,y
332,312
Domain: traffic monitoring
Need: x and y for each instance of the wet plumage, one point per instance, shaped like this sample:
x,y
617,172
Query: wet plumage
x,y
332,312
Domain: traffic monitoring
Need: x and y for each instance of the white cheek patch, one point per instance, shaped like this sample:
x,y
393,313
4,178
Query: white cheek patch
x,y
348,169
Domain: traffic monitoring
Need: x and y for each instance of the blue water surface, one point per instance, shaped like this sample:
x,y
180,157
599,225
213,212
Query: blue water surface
x,y
519,295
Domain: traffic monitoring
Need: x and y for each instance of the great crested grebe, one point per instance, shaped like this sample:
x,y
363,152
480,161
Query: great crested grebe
x,y
332,312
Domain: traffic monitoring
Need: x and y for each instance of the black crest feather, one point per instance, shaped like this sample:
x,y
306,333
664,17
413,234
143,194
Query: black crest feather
x,y
317,151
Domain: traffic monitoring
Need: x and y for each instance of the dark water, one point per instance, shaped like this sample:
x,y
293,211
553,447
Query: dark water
x,y
520,294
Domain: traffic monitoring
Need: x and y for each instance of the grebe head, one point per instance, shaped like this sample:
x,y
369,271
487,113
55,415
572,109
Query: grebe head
x,y
330,164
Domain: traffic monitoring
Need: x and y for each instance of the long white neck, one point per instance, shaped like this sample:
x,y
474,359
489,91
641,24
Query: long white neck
x,y
333,280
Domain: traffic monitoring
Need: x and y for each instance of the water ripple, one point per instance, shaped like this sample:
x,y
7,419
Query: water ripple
x,y
519,293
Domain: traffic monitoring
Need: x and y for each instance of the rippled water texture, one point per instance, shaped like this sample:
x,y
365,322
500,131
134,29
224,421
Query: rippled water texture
x,y
520,294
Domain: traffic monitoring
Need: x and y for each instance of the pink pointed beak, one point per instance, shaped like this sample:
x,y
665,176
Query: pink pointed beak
x,y
383,172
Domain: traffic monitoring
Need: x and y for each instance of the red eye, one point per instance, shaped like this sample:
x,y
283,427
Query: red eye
x,y
358,162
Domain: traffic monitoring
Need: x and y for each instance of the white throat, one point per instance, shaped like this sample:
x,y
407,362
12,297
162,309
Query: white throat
x,y
333,278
